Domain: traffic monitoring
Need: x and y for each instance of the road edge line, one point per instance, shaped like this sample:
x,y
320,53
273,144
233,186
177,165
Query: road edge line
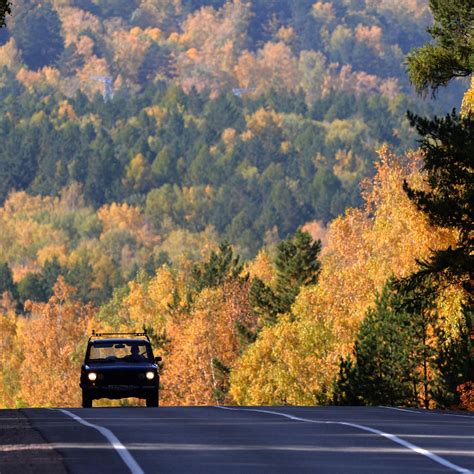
x,y
406,444
425,412
121,450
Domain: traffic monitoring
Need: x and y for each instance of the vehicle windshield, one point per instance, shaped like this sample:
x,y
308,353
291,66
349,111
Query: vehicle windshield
x,y
132,352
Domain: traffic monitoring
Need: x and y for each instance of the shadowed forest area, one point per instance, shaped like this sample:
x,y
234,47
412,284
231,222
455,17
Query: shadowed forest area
x,y
242,179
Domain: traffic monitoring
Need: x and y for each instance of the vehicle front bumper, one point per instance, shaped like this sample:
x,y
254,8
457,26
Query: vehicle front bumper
x,y
120,391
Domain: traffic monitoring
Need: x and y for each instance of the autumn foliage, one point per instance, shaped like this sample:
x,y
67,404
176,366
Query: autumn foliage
x,y
205,345
216,347
43,354
149,134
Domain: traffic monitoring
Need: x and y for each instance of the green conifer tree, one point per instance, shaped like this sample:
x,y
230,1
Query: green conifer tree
x,y
296,265
52,269
5,9
221,265
452,53
32,287
397,358
448,144
37,32
384,370
454,363
6,281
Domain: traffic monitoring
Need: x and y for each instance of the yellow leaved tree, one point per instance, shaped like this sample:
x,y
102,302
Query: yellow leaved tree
x,y
209,54
366,247
11,354
205,344
297,361
53,340
148,301
288,365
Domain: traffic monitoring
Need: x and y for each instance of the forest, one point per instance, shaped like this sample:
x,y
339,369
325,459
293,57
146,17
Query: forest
x,y
243,180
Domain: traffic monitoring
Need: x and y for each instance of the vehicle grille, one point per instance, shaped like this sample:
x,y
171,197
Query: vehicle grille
x,y
122,378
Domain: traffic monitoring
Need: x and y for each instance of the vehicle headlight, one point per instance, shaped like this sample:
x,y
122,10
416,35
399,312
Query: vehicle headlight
x,y
150,375
92,376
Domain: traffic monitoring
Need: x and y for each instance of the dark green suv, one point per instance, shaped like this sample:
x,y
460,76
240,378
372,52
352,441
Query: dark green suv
x,y
116,367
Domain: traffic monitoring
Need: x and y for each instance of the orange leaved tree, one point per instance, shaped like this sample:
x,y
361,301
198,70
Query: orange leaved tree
x,y
10,352
53,342
296,360
205,343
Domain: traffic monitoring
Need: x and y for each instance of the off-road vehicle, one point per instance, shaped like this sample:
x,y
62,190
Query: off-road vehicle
x,y
120,365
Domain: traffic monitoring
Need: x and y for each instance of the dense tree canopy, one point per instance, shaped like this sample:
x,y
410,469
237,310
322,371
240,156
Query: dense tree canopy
x,y
265,120
230,175
37,32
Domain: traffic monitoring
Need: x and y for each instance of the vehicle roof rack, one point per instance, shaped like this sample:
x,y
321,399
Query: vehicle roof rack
x,y
107,334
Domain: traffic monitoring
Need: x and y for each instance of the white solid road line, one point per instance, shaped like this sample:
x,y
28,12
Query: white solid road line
x,y
426,412
391,437
122,451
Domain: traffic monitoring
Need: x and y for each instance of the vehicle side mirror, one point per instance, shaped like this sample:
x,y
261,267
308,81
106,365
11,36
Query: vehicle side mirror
x,y
158,359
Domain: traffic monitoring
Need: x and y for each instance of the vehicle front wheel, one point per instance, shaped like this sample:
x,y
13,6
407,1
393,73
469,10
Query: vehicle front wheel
x,y
152,401
86,400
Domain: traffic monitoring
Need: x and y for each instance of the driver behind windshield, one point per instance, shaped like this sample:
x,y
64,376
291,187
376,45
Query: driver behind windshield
x,y
134,355
113,351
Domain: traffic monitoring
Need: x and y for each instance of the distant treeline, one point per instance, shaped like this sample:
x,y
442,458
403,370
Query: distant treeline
x,y
247,167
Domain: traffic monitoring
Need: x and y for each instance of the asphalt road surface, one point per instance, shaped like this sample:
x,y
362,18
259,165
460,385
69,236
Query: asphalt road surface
x,y
258,440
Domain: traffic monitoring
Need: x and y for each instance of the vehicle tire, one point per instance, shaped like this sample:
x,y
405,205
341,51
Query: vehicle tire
x,y
152,401
86,400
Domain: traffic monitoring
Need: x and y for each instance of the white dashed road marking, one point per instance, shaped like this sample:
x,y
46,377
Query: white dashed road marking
x,y
122,451
413,447
425,412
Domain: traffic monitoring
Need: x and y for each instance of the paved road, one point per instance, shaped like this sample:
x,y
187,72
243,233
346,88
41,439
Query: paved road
x,y
269,440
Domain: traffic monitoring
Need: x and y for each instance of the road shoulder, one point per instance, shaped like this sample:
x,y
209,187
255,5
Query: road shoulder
x,y
23,449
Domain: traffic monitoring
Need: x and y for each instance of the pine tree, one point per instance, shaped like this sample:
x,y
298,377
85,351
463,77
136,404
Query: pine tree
x,y
32,287
452,54
37,32
345,386
384,372
221,266
6,280
396,356
265,301
80,276
52,269
296,265
5,9
448,144
221,113
424,326
454,364
325,187
157,62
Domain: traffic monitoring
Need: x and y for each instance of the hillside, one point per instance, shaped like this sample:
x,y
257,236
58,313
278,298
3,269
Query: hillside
x,y
241,179
262,121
